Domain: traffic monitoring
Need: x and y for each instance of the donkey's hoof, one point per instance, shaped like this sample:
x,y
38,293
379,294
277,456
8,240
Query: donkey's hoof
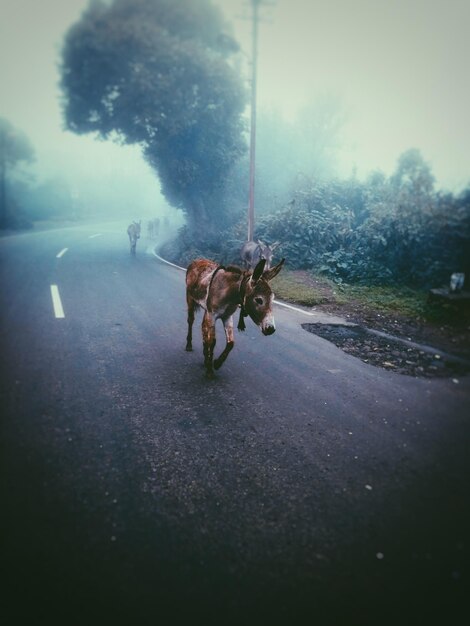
x,y
189,347
210,374
217,364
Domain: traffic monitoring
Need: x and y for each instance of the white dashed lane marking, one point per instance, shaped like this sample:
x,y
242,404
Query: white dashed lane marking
x,y
56,302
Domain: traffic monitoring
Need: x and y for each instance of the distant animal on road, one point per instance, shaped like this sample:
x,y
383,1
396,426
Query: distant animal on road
x,y
220,291
133,230
153,228
252,252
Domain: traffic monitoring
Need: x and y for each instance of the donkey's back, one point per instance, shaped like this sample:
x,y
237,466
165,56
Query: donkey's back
x,y
133,230
252,252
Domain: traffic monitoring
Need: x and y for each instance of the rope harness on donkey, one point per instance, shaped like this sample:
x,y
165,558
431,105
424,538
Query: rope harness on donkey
x,y
242,294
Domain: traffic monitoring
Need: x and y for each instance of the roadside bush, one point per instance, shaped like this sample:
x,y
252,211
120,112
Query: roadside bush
x,y
385,231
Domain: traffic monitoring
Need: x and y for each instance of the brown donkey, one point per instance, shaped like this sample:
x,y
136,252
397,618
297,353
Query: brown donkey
x,y
219,291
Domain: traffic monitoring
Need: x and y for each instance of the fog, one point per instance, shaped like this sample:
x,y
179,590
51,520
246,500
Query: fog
x,y
97,176
400,70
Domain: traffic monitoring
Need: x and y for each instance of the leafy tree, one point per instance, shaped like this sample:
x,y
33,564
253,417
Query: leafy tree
x,y
276,161
413,186
318,128
413,175
45,199
158,73
15,148
291,157
400,223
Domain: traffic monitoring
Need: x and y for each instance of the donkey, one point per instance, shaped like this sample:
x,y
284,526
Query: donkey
x,y
252,252
133,230
220,291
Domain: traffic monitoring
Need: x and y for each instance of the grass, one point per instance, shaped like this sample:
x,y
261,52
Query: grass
x,y
305,288
387,299
406,302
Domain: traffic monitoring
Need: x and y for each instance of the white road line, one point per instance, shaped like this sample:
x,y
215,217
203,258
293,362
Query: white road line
x,y
287,306
56,302
61,253
294,308
93,236
168,262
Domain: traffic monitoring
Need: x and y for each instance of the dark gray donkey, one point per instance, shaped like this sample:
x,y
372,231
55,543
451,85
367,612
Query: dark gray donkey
x,y
133,230
252,252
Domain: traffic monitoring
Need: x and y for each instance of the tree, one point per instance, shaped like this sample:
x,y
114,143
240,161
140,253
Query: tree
x,y
157,73
413,181
319,126
15,147
292,157
45,199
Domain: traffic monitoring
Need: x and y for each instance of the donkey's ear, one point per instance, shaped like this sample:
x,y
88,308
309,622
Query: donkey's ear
x,y
257,272
274,271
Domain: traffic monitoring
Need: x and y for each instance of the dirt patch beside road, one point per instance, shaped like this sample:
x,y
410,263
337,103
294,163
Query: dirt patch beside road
x,y
450,334
407,317
389,353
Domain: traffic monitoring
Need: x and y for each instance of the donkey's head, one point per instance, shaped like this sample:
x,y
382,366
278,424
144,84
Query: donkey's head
x,y
258,296
266,252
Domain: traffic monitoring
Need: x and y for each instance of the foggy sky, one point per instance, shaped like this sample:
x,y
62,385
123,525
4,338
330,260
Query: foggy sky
x,y
399,66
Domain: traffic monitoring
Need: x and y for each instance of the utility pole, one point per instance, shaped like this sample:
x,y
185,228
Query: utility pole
x,y
255,6
254,58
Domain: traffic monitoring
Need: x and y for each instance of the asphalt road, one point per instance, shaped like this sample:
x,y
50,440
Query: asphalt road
x,y
300,486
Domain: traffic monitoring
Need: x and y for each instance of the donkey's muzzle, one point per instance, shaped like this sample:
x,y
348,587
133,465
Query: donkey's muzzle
x,y
268,330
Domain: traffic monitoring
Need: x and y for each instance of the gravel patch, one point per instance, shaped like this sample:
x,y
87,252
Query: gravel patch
x,y
389,353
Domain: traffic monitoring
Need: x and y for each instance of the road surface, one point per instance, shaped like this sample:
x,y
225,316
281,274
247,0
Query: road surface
x,y
300,486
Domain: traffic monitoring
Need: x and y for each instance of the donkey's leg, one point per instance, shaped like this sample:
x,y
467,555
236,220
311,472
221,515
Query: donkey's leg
x,y
228,327
208,340
191,308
